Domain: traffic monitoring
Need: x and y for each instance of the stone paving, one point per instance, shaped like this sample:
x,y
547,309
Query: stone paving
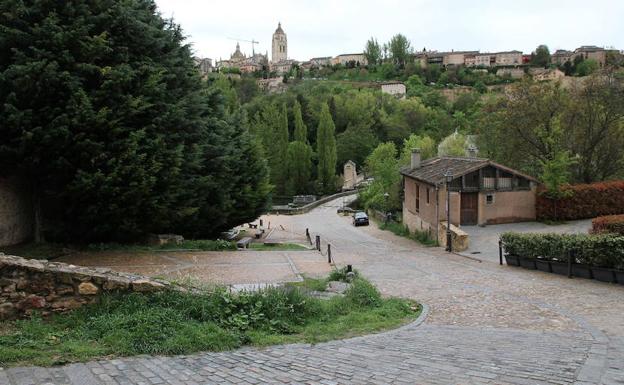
x,y
486,324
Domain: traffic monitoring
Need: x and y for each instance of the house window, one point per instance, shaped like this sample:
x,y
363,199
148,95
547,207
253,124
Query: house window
x,y
417,198
489,199
427,195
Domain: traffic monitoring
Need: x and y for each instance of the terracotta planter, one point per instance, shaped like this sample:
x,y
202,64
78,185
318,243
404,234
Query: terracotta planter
x,y
602,274
543,265
512,260
527,263
619,276
582,271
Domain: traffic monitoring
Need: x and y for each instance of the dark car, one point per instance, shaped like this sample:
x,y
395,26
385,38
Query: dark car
x,y
360,218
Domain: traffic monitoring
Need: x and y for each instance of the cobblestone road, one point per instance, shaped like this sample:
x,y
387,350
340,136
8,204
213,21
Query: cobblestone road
x,y
486,324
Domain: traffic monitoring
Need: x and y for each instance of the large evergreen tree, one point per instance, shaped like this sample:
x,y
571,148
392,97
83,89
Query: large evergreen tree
x,y
326,149
104,113
301,131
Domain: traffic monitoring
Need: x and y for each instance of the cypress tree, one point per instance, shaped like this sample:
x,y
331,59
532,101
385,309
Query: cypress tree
x,y
326,149
299,166
301,131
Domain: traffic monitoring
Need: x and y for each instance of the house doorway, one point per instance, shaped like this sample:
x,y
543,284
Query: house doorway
x,y
469,208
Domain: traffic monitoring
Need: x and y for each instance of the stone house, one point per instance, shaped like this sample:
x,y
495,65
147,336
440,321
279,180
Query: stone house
x,y
396,89
481,192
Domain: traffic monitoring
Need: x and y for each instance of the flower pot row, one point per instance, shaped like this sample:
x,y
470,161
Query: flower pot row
x,y
557,267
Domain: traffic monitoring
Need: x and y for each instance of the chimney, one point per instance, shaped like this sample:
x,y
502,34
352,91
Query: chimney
x,y
415,163
472,151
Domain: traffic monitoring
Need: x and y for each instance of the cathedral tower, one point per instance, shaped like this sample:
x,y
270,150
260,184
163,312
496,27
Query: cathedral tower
x,y
280,45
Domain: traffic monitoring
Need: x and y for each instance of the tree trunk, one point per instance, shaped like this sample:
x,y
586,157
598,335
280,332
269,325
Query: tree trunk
x,y
37,217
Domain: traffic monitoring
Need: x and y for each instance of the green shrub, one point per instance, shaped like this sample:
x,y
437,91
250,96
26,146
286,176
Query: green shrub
x,y
363,293
341,274
601,250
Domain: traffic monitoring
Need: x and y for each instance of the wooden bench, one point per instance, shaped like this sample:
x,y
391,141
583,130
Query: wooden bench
x,y
243,243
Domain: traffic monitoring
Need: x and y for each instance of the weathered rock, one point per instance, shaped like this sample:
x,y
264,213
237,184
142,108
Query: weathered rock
x,y
68,303
88,288
31,302
64,289
337,287
7,311
115,284
146,286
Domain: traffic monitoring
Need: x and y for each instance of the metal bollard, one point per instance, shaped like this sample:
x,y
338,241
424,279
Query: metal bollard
x,y
329,259
318,242
500,252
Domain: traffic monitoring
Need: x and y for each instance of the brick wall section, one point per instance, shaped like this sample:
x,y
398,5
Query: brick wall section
x,y
28,285
15,212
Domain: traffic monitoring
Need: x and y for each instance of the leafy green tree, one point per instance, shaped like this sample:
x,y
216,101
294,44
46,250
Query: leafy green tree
x,y
541,56
326,150
424,143
372,51
383,166
453,145
355,143
586,67
400,49
104,113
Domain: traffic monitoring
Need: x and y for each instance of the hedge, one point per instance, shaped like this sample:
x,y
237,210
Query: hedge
x,y
600,250
613,224
584,201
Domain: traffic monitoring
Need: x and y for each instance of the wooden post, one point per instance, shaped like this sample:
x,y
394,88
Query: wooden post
x,y
500,252
570,257
329,258
318,242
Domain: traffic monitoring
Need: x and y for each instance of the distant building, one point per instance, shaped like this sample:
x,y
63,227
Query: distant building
x,y
242,62
591,52
321,61
456,58
354,58
279,46
396,89
508,58
561,56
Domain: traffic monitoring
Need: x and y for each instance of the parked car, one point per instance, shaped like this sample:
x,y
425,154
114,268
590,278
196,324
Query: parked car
x,y
360,219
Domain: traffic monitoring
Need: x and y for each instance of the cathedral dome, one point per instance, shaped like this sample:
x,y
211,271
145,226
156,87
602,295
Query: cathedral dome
x,y
279,28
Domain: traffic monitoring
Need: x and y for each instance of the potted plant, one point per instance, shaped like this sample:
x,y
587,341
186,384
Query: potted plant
x,y
527,262
559,267
512,260
543,264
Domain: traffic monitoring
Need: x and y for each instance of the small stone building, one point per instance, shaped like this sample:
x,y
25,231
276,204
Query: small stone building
x,y
481,192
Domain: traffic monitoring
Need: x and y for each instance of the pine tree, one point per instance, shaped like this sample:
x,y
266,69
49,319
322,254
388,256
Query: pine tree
x,y
326,149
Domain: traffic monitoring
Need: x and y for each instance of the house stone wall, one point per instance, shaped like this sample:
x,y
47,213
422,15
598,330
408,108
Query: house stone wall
x,y
15,212
508,206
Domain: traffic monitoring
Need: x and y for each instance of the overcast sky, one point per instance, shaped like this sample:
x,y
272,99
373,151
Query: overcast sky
x,y
331,27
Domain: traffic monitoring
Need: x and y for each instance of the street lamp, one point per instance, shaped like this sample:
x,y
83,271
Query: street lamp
x,y
386,196
449,240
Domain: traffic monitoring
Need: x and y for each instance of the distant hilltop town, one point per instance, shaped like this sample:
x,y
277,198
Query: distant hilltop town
x,y
280,63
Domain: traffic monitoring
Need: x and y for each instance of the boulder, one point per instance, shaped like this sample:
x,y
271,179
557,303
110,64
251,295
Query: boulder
x,y
87,288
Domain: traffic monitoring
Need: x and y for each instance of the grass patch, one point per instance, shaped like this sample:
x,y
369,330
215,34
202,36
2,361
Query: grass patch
x,y
401,230
277,246
212,320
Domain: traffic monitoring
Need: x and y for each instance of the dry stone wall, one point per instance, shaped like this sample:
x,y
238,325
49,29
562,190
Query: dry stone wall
x,y
29,285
